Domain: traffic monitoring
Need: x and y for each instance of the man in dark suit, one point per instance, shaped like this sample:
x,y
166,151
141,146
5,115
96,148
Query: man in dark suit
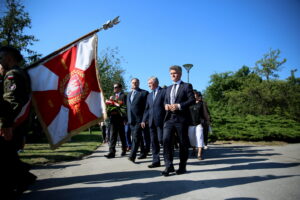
x,y
154,117
117,122
136,103
178,99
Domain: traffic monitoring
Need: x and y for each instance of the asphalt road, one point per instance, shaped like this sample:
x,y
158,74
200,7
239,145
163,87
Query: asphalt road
x,y
229,171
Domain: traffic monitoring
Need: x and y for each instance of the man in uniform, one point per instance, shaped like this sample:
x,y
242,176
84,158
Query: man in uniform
x,y
15,94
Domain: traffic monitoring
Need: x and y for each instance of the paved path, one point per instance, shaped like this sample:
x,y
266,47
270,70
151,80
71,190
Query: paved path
x,y
231,172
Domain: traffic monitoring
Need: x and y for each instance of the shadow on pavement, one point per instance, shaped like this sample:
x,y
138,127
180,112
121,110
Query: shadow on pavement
x,y
149,190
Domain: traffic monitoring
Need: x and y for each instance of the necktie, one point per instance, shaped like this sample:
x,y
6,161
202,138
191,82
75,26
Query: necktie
x,y
132,95
154,94
117,96
173,94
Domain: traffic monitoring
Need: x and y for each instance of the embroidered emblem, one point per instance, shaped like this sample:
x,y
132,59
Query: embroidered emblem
x,y
13,87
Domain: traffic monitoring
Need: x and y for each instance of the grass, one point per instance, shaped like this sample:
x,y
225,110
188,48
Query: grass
x,y
80,145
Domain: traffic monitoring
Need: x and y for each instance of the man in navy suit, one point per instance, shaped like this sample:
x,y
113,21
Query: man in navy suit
x,y
154,117
136,103
179,97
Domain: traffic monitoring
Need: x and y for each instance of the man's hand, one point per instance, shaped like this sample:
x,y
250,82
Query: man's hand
x,y
2,70
174,107
143,124
7,133
167,107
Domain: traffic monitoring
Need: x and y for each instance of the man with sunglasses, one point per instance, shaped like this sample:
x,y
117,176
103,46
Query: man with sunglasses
x,y
117,121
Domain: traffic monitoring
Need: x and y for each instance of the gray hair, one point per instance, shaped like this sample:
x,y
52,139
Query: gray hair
x,y
154,78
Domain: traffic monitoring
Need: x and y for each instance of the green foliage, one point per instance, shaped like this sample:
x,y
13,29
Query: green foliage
x,y
244,92
12,25
269,64
246,107
255,128
110,71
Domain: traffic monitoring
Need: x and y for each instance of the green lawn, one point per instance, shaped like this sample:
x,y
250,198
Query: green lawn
x,y
80,145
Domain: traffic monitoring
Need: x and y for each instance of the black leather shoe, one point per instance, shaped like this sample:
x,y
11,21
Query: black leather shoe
x,y
123,153
167,171
181,171
110,155
142,157
153,165
131,159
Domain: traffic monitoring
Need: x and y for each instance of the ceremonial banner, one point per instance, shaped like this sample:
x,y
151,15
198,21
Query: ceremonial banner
x,y
66,91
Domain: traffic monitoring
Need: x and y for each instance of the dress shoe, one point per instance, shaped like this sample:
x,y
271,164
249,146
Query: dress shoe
x,y
110,155
167,171
131,159
142,157
153,165
180,171
123,153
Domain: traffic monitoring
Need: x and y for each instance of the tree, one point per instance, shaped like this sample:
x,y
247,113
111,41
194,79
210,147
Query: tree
x,y
269,64
110,71
12,25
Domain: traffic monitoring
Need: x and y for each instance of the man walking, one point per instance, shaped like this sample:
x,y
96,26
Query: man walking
x,y
136,103
154,116
179,97
117,122
14,96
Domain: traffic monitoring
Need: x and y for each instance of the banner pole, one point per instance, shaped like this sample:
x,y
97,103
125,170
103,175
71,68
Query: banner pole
x,y
105,26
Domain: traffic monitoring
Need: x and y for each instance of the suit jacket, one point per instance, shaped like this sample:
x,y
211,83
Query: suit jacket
x,y
136,108
155,110
185,97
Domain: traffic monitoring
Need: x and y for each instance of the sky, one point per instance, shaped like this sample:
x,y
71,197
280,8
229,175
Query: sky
x,y
215,36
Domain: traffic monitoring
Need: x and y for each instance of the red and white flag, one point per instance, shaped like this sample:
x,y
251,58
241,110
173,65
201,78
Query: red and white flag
x,y
66,91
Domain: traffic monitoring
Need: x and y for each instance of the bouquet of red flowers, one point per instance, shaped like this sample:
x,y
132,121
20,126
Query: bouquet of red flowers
x,y
114,107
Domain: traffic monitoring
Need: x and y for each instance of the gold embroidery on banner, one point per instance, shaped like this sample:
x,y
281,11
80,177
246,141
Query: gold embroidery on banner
x,y
63,84
50,103
78,113
63,62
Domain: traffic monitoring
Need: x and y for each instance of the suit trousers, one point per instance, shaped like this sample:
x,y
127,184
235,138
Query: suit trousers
x,y
146,140
156,134
117,129
136,131
170,127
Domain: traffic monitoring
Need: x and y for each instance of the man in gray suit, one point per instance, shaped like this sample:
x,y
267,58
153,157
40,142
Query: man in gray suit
x,y
136,103
154,117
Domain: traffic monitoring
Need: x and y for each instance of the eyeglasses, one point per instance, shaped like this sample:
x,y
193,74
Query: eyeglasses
x,y
116,87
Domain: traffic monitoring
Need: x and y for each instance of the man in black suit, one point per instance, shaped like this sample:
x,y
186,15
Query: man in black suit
x,y
178,99
117,122
136,103
154,117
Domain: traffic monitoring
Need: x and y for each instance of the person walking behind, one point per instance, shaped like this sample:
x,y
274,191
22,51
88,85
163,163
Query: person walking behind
x,y
117,121
179,97
198,119
136,103
207,120
153,116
